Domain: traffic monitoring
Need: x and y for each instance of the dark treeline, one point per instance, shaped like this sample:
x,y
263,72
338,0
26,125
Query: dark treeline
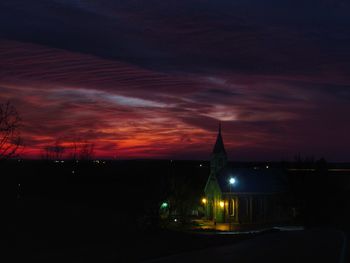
x,y
134,190
110,193
97,203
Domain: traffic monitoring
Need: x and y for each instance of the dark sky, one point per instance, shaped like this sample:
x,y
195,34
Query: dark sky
x,y
153,78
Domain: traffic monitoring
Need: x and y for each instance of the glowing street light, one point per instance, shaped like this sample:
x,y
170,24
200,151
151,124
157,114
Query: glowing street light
x,y
222,204
232,181
204,201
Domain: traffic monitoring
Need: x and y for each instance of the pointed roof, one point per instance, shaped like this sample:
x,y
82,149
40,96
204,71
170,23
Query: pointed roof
x,y
219,144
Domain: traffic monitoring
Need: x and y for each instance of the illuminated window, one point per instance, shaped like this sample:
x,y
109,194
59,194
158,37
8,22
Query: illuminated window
x,y
232,207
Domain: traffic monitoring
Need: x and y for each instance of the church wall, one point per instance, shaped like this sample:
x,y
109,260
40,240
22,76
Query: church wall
x,y
213,195
253,209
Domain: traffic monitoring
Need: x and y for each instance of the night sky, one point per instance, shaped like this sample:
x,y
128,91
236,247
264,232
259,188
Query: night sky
x,y
153,78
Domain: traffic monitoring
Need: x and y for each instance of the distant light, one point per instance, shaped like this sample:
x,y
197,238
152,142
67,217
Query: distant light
x,y
232,180
19,185
164,205
200,165
222,204
204,201
175,220
73,172
267,167
62,161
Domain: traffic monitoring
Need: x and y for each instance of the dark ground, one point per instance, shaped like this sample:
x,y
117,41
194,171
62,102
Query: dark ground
x,y
312,245
99,213
108,212
60,233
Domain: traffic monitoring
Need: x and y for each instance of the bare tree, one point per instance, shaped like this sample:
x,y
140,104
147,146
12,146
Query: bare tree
x,y
86,151
82,150
10,139
74,151
54,151
77,150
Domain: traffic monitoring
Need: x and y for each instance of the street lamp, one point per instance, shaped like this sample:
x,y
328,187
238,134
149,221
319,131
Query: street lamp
x,y
231,182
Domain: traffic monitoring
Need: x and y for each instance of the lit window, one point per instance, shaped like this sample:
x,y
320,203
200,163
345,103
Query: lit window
x,y
232,207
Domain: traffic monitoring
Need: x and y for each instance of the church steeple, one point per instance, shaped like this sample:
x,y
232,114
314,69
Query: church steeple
x,y
218,156
219,144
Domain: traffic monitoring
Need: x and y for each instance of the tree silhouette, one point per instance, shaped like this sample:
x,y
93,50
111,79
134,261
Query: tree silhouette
x,y
10,139
86,151
54,151
82,150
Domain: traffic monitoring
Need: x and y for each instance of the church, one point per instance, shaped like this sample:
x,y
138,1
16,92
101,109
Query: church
x,y
237,195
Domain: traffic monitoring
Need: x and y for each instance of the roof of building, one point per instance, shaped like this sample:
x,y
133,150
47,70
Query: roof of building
x,y
253,180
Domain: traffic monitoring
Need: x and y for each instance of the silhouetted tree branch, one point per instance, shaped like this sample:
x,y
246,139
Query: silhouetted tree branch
x,y
10,139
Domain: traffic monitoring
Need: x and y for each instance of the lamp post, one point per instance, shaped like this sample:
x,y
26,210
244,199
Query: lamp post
x,y
231,182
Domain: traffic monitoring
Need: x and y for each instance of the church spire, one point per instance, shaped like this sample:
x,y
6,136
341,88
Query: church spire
x,y
218,156
219,144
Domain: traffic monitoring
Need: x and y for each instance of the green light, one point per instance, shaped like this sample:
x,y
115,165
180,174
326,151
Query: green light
x,y
164,205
